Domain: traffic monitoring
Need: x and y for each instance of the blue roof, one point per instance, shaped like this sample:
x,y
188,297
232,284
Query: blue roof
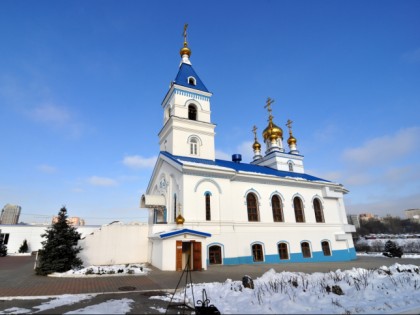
x,y
183,231
244,167
186,71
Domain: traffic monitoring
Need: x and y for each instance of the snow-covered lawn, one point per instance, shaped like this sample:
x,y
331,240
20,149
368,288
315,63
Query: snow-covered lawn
x,y
114,270
358,291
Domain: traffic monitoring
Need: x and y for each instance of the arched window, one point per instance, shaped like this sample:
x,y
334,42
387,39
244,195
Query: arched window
x,y
290,166
257,252
192,81
215,255
277,208
193,146
319,215
326,248
306,249
298,205
208,208
192,112
251,203
283,251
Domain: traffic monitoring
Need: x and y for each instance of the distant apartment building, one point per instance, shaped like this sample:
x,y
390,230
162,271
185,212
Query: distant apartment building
x,y
353,219
10,214
75,221
367,216
412,214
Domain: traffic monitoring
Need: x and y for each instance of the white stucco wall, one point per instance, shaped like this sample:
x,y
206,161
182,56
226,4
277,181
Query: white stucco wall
x,y
32,234
116,244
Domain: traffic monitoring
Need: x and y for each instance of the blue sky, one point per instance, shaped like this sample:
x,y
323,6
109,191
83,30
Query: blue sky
x,y
81,84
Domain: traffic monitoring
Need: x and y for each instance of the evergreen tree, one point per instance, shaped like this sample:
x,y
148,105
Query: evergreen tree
x,y
3,248
24,247
392,249
59,250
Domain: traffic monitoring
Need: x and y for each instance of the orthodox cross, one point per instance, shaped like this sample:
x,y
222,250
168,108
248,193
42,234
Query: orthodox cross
x,y
268,105
185,32
254,130
289,125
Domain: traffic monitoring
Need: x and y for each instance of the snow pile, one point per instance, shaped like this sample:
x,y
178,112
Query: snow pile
x,y
122,306
383,290
114,270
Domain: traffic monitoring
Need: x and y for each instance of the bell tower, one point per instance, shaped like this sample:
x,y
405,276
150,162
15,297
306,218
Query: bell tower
x,y
187,128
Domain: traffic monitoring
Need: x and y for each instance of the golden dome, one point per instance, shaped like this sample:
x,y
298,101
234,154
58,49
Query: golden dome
x,y
291,140
272,132
185,50
180,219
256,146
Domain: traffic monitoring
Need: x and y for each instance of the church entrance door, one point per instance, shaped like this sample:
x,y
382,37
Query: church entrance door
x,y
191,250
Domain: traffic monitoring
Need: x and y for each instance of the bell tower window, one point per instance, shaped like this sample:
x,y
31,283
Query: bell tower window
x,y
192,112
192,81
193,146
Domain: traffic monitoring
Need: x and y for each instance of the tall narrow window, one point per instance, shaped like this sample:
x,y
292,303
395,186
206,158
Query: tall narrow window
x,y
306,250
251,202
208,208
257,252
319,215
283,251
277,208
290,166
326,248
215,255
192,112
299,215
174,207
193,146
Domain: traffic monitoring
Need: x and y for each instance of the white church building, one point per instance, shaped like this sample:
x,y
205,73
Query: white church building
x,y
230,212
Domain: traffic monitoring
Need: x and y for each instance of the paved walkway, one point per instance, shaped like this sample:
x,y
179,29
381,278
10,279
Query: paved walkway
x,y
17,278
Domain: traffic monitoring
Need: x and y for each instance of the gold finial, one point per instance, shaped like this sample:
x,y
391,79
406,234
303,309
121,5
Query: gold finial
x,y
292,140
179,219
256,145
185,50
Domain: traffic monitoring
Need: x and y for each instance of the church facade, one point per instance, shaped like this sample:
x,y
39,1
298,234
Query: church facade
x,y
207,211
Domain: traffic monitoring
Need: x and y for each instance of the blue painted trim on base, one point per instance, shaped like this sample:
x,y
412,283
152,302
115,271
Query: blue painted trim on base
x,y
337,255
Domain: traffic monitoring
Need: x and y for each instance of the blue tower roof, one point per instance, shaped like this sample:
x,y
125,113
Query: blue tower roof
x,y
186,71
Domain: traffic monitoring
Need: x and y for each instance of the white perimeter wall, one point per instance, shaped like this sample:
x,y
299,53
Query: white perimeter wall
x,y
116,244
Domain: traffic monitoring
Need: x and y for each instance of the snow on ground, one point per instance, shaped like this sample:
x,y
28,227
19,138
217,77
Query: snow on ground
x,y
122,306
114,270
384,290
411,256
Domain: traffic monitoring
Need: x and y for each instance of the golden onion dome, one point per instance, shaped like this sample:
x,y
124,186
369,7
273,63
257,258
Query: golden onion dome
x,y
180,219
291,140
256,146
185,50
272,132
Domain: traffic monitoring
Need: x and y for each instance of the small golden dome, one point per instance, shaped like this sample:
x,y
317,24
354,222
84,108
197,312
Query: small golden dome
x,y
180,219
256,146
273,132
185,50
291,140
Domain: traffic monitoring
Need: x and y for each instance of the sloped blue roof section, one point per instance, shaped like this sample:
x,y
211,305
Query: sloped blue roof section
x,y
184,231
244,167
186,71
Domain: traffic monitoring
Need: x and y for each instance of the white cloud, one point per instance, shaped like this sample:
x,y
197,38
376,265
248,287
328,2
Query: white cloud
x,y
382,150
222,155
412,56
137,162
244,149
44,168
50,113
102,181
